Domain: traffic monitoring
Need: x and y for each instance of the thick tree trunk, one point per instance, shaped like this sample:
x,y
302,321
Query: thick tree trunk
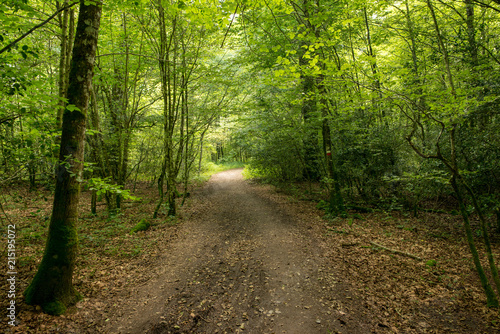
x,y
52,286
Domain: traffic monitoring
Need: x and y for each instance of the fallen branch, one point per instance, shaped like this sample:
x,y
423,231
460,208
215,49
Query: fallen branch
x,y
397,251
350,245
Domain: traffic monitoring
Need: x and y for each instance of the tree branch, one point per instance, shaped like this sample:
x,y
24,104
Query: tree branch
x,y
23,36
482,4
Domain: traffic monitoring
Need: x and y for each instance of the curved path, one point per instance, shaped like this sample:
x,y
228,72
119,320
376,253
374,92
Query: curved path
x,y
244,263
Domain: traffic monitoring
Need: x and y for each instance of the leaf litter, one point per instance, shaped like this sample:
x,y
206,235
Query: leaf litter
x,y
243,257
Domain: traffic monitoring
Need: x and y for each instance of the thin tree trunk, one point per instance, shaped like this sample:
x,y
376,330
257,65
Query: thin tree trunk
x,y
201,151
93,203
452,166
373,64
168,109
491,298
446,58
336,200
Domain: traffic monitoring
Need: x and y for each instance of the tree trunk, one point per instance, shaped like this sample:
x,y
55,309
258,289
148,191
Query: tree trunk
x,y
201,151
491,298
52,287
309,108
167,89
336,199
376,81
63,22
442,47
497,212
453,168
93,203
471,33
66,21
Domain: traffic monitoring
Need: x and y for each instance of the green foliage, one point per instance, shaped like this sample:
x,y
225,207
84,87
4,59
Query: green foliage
x,y
102,186
287,81
322,205
358,216
412,188
142,225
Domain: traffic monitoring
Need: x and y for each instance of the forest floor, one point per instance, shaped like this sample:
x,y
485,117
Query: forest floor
x,y
243,257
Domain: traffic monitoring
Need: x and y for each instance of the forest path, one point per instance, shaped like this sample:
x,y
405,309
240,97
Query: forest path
x,y
243,263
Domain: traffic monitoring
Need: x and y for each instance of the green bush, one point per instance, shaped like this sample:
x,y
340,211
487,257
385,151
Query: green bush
x,y
143,225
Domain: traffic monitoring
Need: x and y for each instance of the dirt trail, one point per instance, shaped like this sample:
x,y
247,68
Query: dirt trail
x,y
243,264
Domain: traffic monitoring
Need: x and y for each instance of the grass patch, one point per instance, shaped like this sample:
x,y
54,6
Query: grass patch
x,y
211,168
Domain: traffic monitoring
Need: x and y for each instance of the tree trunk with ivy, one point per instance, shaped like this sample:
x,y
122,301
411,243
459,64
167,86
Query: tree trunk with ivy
x,y
52,287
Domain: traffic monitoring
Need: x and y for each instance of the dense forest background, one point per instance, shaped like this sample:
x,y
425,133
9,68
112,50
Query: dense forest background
x,y
373,105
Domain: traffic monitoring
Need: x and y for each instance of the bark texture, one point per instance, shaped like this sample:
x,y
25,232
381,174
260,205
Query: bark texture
x,y
52,286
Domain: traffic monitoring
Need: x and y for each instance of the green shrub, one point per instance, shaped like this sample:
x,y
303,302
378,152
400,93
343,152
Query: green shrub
x,y
143,225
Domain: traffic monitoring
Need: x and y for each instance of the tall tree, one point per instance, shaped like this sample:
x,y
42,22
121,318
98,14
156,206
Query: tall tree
x,y
310,33
52,286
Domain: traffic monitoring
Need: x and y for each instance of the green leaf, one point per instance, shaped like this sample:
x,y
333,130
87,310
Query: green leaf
x,y
72,107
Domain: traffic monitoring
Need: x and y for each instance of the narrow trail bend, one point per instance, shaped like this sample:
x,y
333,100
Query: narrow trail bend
x,y
244,263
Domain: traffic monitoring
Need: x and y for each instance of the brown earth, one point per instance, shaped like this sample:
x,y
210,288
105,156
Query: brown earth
x,y
245,258
243,263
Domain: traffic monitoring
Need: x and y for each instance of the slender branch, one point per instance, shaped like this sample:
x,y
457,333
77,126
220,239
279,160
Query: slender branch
x,y
230,24
23,36
276,22
491,54
452,8
482,4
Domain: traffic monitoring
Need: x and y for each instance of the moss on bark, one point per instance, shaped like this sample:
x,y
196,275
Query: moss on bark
x,y
52,287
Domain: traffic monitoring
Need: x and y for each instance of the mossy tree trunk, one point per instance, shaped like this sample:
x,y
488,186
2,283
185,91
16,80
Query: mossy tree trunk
x,y
67,24
52,286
